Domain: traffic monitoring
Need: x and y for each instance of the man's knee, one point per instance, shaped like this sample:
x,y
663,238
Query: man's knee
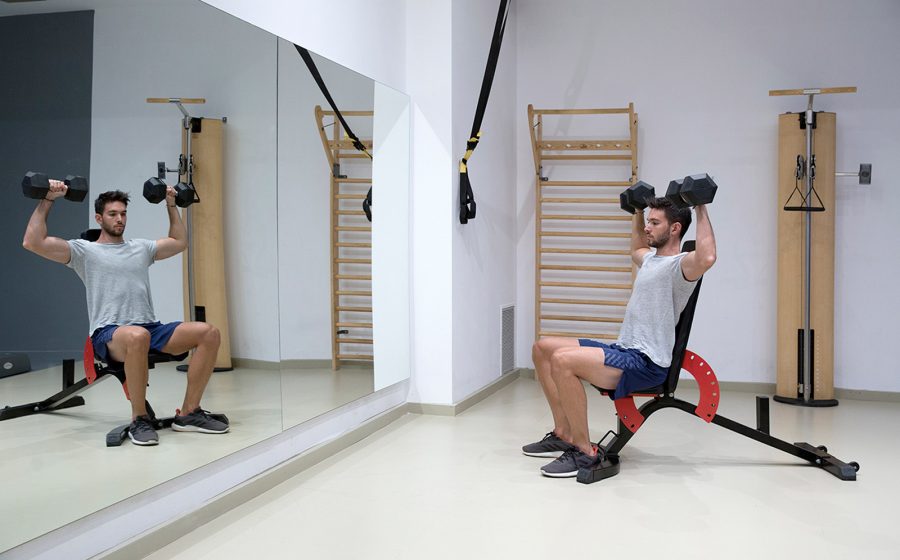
x,y
211,336
561,362
545,347
135,338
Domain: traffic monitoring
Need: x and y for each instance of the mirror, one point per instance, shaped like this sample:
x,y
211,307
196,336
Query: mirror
x,y
348,274
325,255
79,107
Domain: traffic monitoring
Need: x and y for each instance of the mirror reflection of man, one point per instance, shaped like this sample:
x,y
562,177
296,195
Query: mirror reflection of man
x,y
123,324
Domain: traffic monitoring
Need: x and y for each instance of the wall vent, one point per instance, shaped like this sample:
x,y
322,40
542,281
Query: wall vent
x,y
508,339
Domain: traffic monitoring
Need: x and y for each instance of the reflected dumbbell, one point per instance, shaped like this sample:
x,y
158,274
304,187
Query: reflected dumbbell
x,y
37,185
155,192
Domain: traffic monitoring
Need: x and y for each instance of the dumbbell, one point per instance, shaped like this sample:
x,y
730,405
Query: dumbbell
x,y
37,185
155,192
692,190
635,197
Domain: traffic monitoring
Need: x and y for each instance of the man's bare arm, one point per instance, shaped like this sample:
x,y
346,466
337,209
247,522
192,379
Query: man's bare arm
x,y
639,246
36,239
176,242
698,261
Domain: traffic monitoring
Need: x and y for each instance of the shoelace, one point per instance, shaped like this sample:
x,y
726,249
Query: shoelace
x,y
142,421
571,454
567,455
548,436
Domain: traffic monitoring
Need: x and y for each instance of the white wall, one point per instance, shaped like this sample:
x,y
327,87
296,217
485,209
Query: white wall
x,y
141,51
698,73
433,164
484,271
367,37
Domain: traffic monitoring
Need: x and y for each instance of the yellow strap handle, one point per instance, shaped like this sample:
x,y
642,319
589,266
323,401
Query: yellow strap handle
x,y
474,141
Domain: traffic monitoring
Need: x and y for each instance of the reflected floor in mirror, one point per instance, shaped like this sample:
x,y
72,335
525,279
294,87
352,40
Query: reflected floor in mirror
x,y
309,392
60,463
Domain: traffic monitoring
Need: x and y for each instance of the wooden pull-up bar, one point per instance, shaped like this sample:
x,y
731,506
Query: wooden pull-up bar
x,y
581,111
812,91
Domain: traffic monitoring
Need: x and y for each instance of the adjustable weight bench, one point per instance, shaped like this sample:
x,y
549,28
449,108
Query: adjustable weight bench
x,y
630,418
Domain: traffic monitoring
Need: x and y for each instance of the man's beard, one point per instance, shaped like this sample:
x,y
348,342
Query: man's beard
x,y
111,230
657,243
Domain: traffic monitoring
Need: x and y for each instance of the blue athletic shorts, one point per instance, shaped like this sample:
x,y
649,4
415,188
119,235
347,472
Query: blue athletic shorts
x,y
638,371
159,337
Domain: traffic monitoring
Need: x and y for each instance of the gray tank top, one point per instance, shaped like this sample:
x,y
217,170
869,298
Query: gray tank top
x,y
116,280
659,296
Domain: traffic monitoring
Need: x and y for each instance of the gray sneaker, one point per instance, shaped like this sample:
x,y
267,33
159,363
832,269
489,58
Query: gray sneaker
x,y
141,431
568,463
549,446
199,421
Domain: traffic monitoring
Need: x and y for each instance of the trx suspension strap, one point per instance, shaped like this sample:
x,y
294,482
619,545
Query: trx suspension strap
x,y
466,196
357,143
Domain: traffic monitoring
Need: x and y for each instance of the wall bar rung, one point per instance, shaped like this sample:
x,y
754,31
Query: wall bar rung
x,y
586,268
575,301
601,336
586,218
587,285
581,318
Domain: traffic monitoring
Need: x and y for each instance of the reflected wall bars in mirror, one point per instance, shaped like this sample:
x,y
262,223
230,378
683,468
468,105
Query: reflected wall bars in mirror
x,y
290,242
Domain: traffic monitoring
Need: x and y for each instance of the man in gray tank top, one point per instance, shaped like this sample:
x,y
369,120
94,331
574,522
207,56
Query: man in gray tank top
x,y
642,354
123,326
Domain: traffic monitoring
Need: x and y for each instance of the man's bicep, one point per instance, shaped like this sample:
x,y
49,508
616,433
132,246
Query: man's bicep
x,y
165,248
55,249
691,267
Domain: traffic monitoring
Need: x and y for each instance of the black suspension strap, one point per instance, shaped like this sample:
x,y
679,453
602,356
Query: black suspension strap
x,y
466,196
357,143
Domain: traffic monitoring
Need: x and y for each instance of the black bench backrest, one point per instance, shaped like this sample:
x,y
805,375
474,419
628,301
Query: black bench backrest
x,y
682,331
90,234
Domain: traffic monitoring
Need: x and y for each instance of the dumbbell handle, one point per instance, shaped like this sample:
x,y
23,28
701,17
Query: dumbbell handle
x,y
62,193
864,174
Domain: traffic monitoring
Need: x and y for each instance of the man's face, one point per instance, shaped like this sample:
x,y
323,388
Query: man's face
x,y
657,228
113,219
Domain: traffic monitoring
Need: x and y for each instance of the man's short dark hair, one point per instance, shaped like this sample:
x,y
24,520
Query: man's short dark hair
x,y
673,214
107,197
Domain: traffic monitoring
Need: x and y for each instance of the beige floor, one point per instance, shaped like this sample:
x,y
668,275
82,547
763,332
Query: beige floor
x,y
309,392
56,468
442,487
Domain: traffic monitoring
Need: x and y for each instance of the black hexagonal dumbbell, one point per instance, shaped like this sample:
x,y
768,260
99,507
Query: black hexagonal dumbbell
x,y
155,192
673,193
184,195
636,196
698,189
692,190
36,185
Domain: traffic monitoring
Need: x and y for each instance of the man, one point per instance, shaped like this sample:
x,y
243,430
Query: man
x,y
641,356
116,276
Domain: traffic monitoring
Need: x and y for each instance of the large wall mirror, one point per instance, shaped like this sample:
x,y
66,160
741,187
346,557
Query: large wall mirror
x,y
317,295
